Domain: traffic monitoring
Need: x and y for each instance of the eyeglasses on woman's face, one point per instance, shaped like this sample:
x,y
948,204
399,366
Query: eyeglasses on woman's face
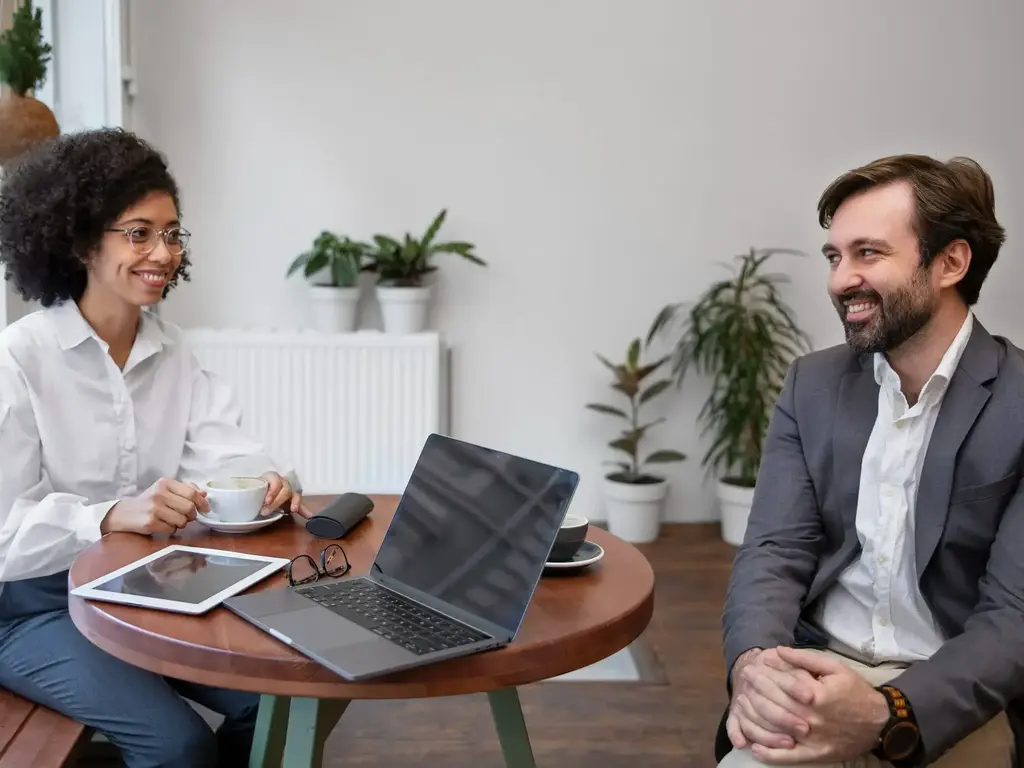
x,y
144,238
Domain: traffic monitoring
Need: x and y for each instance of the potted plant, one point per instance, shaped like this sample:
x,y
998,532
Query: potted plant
x,y
743,335
634,494
402,266
335,303
24,120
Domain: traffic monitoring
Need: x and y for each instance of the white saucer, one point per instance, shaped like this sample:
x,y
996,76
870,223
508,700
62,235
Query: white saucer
x,y
226,527
588,554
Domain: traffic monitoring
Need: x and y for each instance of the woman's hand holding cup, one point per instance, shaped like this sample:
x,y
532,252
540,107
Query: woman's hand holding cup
x,y
280,494
166,506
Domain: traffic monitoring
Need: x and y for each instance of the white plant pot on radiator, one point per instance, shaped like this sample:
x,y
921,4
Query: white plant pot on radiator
x,y
404,309
734,502
334,309
634,509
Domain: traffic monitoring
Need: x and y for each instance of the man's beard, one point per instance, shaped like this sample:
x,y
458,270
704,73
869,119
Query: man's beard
x,y
895,319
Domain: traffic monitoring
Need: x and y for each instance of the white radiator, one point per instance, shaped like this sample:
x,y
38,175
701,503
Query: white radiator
x,y
349,411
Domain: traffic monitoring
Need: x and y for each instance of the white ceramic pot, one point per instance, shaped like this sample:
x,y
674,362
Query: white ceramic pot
x,y
734,502
334,309
634,509
404,309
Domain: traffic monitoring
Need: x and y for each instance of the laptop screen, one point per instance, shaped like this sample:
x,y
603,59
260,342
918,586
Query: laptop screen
x,y
474,528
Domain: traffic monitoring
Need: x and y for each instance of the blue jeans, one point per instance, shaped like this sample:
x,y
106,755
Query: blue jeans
x,y
44,658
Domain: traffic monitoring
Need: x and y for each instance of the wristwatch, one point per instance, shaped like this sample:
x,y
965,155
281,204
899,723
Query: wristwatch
x,y
899,743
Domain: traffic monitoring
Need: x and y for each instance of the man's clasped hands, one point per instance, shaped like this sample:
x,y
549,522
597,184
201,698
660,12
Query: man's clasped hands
x,y
795,705
169,505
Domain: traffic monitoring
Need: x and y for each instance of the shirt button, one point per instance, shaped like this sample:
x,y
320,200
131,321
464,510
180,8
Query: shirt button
x,y
883,622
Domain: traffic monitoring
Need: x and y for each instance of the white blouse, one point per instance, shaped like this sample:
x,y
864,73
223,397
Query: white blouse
x,y
77,433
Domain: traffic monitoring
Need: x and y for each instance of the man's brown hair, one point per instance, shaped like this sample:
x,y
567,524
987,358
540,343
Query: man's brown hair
x,y
954,200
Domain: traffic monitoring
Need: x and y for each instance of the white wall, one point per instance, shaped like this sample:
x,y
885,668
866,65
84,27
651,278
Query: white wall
x,y
604,156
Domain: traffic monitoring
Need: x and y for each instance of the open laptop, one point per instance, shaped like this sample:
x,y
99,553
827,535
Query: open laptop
x,y
454,574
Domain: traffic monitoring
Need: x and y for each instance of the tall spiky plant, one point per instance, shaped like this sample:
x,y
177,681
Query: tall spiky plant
x,y
743,335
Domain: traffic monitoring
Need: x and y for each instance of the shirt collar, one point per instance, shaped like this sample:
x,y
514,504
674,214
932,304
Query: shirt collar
x,y
885,375
72,329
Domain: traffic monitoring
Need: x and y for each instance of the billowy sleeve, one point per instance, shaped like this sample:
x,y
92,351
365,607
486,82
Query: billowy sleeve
x,y
41,532
216,444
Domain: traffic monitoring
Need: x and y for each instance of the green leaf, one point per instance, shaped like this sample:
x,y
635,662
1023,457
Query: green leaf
x,y
664,456
662,321
626,386
624,444
410,250
387,244
432,230
297,264
633,354
654,390
646,370
465,250
454,247
607,409
316,262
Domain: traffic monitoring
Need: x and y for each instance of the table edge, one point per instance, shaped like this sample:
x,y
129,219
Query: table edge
x,y
633,624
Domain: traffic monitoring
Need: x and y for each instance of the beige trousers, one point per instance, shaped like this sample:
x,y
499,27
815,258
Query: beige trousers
x,y
991,746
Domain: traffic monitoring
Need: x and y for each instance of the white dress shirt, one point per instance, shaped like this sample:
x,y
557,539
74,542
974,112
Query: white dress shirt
x,y
876,608
77,433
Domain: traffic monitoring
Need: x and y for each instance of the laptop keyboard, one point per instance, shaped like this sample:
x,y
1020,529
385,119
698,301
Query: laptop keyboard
x,y
413,626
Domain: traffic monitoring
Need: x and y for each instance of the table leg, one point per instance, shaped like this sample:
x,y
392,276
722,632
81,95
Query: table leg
x,y
271,727
310,722
290,733
512,733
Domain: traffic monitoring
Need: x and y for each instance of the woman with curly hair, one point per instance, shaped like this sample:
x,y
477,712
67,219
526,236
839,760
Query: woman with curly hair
x,y
107,423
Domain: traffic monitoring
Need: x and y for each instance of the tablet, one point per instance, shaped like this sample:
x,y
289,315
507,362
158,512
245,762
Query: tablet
x,y
182,579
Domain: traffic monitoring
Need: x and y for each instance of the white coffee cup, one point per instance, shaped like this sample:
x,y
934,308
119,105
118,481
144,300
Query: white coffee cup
x,y
235,499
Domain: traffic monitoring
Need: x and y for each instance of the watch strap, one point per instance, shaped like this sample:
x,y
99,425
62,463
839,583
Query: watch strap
x,y
899,742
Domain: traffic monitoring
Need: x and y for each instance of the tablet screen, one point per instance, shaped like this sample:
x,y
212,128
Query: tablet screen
x,y
182,576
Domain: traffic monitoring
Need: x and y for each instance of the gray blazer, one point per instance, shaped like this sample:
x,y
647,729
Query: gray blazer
x,y
969,538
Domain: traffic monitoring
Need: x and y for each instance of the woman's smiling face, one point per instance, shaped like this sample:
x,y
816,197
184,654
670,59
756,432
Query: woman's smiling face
x,y
135,263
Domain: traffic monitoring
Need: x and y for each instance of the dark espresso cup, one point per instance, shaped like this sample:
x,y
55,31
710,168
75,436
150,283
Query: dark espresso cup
x,y
571,536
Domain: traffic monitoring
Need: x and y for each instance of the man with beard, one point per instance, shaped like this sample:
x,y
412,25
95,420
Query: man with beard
x,y
875,613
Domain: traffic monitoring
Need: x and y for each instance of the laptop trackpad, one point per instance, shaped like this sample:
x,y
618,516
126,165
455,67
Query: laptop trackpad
x,y
319,629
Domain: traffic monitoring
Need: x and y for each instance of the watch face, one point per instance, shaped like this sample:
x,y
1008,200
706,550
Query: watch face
x,y
901,740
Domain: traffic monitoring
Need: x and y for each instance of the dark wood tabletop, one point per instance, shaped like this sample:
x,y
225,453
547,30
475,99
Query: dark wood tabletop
x,y
573,620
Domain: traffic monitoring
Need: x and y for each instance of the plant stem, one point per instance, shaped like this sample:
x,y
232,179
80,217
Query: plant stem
x,y
635,413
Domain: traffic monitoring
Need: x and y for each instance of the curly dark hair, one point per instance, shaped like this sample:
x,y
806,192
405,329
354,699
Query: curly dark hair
x,y
58,198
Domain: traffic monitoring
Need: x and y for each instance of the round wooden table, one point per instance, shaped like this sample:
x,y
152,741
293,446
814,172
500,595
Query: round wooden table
x,y
573,621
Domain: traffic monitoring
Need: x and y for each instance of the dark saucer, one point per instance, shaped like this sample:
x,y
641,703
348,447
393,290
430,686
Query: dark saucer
x,y
587,554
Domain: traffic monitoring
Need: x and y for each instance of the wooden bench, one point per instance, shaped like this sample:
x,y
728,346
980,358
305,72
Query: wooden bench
x,y
32,736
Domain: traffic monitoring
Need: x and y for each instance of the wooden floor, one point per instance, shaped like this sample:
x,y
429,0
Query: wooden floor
x,y
599,725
